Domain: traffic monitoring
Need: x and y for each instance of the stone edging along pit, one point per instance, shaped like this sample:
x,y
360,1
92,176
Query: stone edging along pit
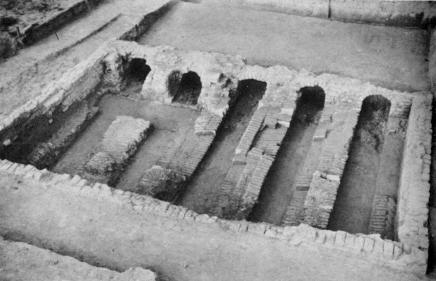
x,y
409,254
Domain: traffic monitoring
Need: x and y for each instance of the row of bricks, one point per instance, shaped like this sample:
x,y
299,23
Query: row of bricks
x,y
414,187
249,135
354,243
207,123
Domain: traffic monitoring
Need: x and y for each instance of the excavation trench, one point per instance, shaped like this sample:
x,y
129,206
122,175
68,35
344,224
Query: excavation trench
x,y
210,175
388,179
280,184
354,202
26,135
170,126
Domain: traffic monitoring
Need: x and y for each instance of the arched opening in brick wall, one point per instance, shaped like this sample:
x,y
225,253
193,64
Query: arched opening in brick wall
x,y
136,71
184,88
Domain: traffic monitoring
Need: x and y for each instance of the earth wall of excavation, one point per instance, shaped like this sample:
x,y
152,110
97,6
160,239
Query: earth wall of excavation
x,y
150,223
74,87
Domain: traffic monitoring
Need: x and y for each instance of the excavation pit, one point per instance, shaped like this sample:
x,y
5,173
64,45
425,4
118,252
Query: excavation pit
x,y
170,127
213,137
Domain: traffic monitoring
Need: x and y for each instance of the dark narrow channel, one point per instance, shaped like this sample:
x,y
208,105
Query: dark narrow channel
x,y
280,184
214,167
354,201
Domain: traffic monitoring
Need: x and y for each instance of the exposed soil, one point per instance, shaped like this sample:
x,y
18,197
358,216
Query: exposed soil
x,y
17,15
21,7
21,261
208,178
354,201
388,56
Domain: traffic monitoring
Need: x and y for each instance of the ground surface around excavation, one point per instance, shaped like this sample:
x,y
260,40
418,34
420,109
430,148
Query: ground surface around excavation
x,y
114,235
388,56
21,261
